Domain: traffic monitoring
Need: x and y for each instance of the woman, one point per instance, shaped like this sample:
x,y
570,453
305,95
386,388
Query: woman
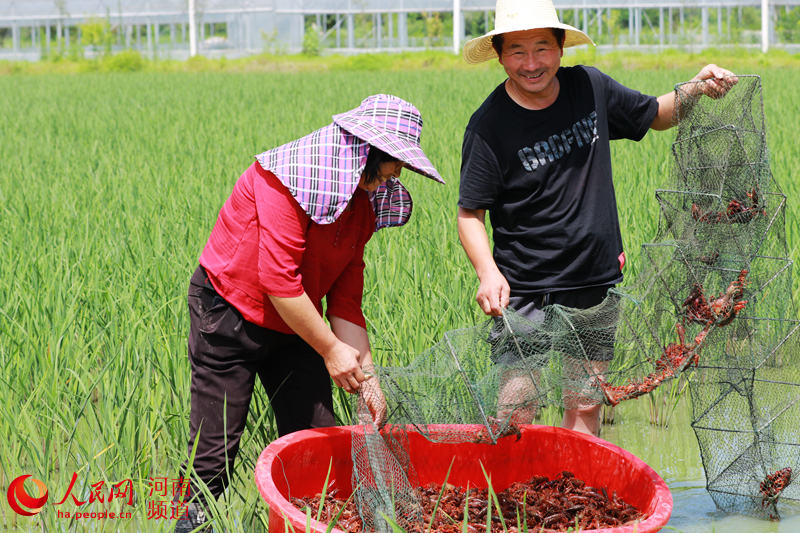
x,y
292,233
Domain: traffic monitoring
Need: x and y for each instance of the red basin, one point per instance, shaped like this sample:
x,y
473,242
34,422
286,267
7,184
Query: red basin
x,y
296,465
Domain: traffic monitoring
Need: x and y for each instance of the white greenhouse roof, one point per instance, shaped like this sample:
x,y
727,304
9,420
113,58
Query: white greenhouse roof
x,y
22,9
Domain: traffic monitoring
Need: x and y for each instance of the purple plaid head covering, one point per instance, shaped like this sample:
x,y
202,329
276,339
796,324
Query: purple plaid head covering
x,y
322,169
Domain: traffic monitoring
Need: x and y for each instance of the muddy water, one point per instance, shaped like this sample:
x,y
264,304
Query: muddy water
x,y
673,453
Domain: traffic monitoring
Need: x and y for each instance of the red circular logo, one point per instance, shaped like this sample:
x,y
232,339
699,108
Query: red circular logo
x,y
19,499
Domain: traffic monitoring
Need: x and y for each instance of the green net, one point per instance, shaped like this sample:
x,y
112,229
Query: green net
x,y
713,296
746,388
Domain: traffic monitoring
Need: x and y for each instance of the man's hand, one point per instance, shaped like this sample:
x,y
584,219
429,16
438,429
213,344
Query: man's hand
x,y
493,290
493,293
716,81
713,81
343,366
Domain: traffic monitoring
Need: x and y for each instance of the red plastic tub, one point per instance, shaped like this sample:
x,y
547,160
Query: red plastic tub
x,y
296,465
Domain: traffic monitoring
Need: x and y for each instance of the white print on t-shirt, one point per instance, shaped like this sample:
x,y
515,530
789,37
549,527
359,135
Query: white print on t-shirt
x,y
583,132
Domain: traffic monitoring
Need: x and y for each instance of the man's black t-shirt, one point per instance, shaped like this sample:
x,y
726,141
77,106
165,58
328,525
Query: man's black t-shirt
x,y
545,178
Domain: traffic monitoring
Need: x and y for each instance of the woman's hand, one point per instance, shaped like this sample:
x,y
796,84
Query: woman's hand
x,y
370,389
342,362
342,358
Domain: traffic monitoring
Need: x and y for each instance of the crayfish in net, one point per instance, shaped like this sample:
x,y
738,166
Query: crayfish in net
x,y
676,357
721,310
735,213
496,431
709,259
774,484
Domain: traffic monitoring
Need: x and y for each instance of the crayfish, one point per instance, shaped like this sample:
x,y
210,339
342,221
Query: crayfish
x,y
678,356
709,259
674,359
540,503
774,484
736,212
499,430
722,309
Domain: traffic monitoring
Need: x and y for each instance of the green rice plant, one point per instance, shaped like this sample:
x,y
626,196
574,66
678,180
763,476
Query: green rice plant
x,y
109,187
339,514
664,400
324,488
465,520
492,499
441,493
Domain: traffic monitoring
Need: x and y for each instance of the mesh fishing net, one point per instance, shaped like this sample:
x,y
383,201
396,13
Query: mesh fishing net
x,y
746,389
714,296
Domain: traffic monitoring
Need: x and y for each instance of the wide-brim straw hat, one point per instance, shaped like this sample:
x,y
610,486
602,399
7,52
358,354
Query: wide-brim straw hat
x,y
521,15
393,125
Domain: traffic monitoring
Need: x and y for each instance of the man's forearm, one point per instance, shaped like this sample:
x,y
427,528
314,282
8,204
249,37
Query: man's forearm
x,y
493,291
472,233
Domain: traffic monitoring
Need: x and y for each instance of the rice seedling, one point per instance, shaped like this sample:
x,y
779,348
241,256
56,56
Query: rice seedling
x,y
109,187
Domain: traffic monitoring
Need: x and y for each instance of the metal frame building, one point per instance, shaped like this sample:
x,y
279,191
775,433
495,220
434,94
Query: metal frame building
x,y
162,28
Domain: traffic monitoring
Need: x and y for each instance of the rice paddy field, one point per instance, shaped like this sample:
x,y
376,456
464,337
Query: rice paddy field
x,y
109,187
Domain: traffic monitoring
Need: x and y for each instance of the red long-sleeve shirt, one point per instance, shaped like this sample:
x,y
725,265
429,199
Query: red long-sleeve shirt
x,y
264,243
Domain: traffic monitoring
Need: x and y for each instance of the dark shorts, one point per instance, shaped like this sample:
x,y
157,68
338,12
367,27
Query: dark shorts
x,y
543,333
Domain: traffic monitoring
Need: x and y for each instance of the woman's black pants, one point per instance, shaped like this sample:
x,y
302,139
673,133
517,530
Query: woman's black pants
x,y
226,353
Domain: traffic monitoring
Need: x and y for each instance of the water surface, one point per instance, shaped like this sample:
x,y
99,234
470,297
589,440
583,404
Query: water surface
x,y
673,453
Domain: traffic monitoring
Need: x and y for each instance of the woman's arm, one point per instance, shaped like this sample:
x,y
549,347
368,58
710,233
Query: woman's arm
x,y
341,359
282,245
356,336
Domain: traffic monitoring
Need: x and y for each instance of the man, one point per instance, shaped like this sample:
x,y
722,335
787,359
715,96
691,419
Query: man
x,y
536,155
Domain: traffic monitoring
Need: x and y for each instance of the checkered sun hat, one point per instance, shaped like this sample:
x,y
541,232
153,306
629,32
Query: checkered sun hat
x,y
322,169
393,125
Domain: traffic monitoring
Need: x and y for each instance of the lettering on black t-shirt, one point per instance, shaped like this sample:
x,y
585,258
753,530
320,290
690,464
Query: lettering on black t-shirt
x,y
584,131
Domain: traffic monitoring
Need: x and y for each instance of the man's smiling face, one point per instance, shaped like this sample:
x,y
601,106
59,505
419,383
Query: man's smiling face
x,y
531,59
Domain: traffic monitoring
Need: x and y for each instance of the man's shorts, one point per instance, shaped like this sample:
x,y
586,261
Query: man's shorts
x,y
587,335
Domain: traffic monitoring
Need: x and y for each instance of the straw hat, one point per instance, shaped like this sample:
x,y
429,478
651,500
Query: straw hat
x,y
521,15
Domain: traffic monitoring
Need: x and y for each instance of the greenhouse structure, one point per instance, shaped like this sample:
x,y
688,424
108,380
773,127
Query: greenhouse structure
x,y
31,29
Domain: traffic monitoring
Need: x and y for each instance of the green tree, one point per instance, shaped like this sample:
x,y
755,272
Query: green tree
x,y
96,32
433,28
311,40
788,25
